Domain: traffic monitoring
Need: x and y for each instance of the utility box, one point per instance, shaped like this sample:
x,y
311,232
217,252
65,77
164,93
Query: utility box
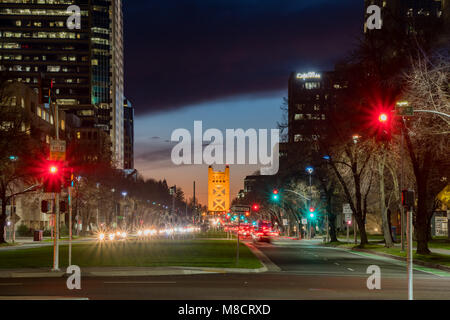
x,y
38,235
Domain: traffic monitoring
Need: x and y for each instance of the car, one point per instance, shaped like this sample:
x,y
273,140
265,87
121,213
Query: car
x,y
260,235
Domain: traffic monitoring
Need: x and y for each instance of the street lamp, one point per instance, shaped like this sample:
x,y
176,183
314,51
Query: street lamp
x,y
310,171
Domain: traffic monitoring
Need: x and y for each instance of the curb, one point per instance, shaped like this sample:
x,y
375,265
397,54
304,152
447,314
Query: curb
x,y
131,272
268,265
390,256
418,262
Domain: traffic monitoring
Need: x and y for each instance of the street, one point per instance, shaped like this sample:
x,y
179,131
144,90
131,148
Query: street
x,y
308,272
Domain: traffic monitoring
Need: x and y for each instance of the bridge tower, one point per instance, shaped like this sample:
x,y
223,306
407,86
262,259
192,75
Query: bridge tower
x,y
218,190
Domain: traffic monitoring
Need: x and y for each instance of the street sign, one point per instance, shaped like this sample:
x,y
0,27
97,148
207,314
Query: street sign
x,y
14,218
57,150
404,109
346,208
285,222
348,217
243,209
304,221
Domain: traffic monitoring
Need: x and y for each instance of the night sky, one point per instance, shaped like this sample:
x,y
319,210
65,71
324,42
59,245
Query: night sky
x,y
225,62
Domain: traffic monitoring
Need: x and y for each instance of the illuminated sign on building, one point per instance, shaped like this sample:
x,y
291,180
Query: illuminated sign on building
x,y
309,75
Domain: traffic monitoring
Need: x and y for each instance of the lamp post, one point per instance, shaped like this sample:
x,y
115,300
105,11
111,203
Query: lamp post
x,y
310,171
124,194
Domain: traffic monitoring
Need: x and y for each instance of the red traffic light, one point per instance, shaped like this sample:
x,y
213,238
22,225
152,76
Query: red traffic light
x,y
53,169
383,117
311,209
275,191
255,207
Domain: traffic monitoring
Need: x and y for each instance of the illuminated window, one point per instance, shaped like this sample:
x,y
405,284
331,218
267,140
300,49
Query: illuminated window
x,y
312,85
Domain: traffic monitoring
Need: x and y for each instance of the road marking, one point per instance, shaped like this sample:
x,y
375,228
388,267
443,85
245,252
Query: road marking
x,y
139,282
350,269
336,263
11,284
40,298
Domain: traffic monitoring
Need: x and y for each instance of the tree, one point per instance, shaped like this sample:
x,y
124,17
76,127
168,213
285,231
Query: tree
x,y
427,135
21,152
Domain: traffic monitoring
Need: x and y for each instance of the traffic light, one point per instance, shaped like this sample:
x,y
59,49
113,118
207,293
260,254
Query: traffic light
x,y
275,195
312,212
52,177
255,207
247,213
408,198
44,206
383,118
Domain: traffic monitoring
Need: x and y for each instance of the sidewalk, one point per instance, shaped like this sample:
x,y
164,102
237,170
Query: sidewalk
x,y
25,243
398,245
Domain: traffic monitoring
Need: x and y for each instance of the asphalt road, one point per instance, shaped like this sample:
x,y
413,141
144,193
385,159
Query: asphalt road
x,y
307,272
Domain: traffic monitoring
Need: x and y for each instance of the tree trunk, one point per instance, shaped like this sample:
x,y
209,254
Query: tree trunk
x,y
3,221
384,218
362,230
332,225
422,225
331,220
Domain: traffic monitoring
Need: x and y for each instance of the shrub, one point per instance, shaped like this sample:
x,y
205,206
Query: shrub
x,y
24,231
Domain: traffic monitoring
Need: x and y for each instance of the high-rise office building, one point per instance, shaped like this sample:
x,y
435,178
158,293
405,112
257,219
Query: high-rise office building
x,y
81,69
311,96
128,122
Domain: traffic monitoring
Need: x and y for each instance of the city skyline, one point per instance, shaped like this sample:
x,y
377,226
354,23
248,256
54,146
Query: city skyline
x,y
237,71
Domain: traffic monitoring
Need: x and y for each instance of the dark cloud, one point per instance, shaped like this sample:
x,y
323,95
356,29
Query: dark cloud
x,y
181,52
161,154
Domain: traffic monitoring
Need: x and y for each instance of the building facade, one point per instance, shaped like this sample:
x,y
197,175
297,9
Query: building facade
x,y
128,121
311,97
79,69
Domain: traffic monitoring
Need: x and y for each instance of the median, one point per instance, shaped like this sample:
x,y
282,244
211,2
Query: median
x,y
136,253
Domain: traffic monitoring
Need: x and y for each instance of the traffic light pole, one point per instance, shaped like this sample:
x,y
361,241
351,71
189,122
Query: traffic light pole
x,y
237,247
70,220
410,254
57,218
402,212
